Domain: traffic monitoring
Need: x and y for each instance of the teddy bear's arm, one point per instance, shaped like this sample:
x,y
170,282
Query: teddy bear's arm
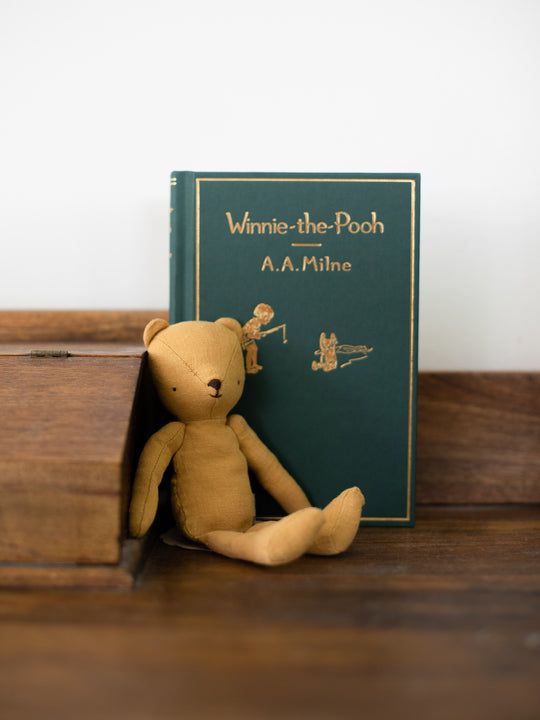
x,y
155,457
270,472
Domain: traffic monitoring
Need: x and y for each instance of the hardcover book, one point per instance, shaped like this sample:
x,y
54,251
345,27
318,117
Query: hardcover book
x,y
322,272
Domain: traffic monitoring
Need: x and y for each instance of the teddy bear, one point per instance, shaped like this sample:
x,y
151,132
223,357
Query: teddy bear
x,y
198,371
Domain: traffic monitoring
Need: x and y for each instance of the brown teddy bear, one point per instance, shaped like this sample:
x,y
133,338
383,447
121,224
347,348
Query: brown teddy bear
x,y
198,370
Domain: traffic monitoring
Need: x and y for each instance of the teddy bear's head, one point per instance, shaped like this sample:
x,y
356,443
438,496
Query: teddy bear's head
x,y
197,367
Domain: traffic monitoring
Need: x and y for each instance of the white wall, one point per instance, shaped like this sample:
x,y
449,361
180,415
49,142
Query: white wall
x,y
101,99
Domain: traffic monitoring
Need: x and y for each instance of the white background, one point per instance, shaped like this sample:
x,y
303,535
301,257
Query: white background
x,y
100,100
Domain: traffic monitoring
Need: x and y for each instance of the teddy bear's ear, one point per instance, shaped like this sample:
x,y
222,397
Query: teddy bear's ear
x,y
151,330
233,325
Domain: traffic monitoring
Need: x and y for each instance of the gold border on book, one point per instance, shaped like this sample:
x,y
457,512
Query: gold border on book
x,y
412,296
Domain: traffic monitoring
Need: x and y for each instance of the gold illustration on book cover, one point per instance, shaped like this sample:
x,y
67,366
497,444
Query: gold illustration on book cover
x,y
329,350
262,315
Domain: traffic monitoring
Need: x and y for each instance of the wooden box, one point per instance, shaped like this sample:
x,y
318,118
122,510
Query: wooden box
x,y
71,423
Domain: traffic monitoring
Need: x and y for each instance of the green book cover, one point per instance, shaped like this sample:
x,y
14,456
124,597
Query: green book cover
x,y
321,270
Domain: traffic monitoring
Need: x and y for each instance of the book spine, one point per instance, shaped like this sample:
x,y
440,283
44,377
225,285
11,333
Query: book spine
x,y
182,248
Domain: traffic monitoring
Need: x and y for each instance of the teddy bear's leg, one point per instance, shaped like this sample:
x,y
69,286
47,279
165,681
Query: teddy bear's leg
x,y
270,543
341,520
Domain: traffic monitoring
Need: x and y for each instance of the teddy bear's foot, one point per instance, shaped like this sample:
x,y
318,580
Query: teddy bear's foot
x,y
269,543
341,520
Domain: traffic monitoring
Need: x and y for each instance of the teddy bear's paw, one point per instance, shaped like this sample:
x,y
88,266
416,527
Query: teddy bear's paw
x,y
341,520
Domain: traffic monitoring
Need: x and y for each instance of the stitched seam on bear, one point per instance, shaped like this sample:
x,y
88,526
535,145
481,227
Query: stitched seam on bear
x,y
182,359
241,428
229,364
224,378
178,504
153,470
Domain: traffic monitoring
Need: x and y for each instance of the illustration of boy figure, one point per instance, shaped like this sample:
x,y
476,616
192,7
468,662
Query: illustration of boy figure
x,y
327,353
262,315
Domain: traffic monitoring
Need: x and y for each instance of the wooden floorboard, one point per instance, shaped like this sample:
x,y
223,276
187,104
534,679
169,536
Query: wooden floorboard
x,y
440,621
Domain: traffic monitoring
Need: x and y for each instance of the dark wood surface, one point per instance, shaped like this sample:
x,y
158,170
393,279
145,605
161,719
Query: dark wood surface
x,y
75,325
478,438
441,621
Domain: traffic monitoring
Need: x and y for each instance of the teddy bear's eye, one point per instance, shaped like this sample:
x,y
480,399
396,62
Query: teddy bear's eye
x,y
239,382
174,389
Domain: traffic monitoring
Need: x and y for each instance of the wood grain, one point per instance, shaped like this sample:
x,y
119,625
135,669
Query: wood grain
x,y
440,621
120,576
65,428
478,438
122,326
73,347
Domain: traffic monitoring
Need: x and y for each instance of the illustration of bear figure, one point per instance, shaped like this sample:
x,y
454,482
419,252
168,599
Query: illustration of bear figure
x,y
198,370
327,353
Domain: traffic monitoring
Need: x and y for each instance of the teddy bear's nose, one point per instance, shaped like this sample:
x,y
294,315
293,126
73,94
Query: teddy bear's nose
x,y
215,383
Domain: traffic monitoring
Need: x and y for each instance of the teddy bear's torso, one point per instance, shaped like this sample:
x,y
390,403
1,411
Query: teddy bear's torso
x,y
210,485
